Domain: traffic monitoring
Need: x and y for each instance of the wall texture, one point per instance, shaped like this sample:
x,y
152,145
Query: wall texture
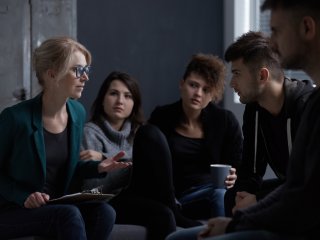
x,y
24,25
151,40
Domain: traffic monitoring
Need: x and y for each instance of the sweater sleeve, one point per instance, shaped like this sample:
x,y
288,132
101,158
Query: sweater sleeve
x,y
94,139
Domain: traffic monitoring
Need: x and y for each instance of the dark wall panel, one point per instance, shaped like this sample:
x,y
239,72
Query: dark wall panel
x,y
151,40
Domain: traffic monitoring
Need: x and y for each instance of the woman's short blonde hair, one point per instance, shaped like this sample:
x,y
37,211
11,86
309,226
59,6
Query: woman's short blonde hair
x,y
56,53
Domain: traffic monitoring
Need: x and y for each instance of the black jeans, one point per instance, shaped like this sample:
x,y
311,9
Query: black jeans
x,y
149,198
155,216
87,220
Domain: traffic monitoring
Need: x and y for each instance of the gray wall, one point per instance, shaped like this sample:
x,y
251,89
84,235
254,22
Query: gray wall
x,y
151,40
24,25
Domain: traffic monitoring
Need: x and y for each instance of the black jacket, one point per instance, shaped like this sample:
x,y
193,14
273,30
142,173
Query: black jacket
x,y
222,133
259,149
293,208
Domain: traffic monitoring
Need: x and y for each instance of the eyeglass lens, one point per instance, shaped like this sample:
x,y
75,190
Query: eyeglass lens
x,y
81,70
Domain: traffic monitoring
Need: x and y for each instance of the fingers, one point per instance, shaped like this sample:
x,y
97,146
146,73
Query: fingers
x,y
231,178
119,165
45,196
242,194
232,171
232,175
85,155
113,163
90,155
36,200
94,155
110,165
234,209
204,233
82,154
118,156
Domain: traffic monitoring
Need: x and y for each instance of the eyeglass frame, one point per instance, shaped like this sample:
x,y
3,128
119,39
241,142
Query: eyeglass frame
x,y
79,70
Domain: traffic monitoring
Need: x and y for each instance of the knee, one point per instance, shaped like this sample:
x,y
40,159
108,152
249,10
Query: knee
x,y
217,198
218,193
165,217
167,213
186,234
107,212
69,214
66,222
177,235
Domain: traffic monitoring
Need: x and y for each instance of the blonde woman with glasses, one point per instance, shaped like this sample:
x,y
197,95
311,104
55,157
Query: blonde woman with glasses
x,y
39,152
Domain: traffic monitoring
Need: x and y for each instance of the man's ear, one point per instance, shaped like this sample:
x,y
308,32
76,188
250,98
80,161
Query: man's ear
x,y
308,27
264,75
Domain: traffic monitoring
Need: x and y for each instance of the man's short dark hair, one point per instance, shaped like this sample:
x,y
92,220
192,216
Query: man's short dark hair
x,y
254,48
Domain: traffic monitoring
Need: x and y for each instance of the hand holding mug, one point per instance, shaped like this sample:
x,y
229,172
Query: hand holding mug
x,y
231,178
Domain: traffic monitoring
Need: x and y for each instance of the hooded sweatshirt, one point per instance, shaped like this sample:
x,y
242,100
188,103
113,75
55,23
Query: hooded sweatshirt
x,y
268,139
293,208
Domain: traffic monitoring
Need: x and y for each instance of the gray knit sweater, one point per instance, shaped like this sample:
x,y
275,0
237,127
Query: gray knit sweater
x,y
109,142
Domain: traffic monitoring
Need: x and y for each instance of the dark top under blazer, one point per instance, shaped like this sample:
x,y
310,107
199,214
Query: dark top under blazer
x,y
22,150
222,133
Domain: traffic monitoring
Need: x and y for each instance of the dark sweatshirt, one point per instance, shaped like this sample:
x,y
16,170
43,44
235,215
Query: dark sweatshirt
x,y
293,208
268,139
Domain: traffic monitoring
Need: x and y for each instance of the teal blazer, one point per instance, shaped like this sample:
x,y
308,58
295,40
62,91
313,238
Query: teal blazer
x,y
22,150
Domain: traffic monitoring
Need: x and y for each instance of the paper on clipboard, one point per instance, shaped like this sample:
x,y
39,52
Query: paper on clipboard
x,y
81,196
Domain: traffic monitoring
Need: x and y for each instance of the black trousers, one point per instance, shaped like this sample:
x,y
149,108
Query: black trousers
x,y
149,199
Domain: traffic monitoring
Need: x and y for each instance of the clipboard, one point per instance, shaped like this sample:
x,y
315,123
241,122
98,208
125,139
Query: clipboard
x,y
80,197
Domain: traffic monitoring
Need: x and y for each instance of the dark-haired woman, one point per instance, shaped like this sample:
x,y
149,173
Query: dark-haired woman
x,y
145,194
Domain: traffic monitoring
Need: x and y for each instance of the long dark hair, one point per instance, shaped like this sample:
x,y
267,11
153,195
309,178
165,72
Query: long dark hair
x,y
97,110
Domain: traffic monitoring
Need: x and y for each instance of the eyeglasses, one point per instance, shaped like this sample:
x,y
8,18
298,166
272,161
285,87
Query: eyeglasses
x,y
79,70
